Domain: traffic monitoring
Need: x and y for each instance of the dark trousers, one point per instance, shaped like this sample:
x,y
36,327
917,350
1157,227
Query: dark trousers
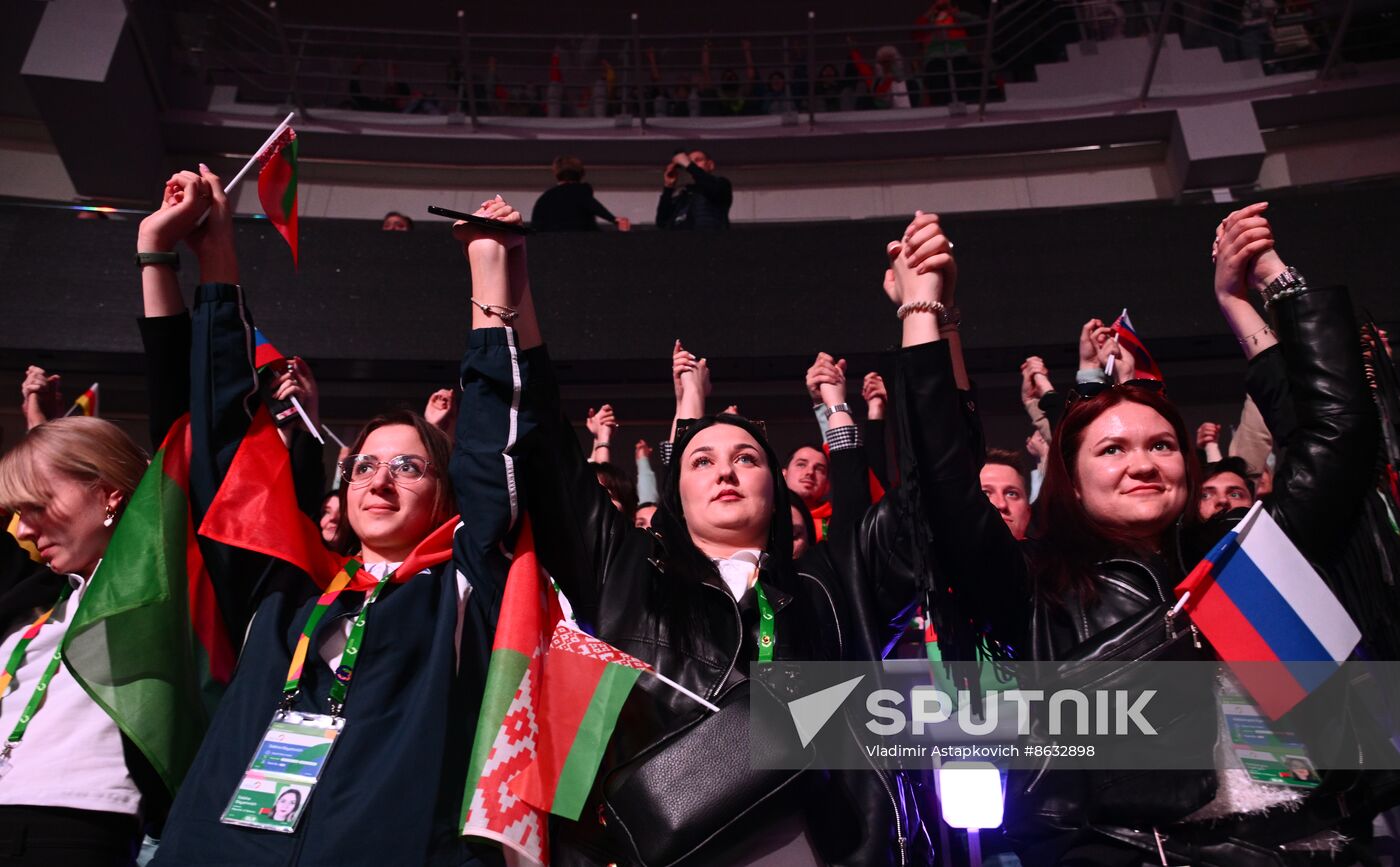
x,y
53,836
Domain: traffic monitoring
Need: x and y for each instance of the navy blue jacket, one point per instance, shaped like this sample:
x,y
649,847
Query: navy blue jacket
x,y
392,789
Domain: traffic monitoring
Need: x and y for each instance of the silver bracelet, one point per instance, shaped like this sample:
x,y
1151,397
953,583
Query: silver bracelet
x,y
507,314
935,307
1253,339
1286,285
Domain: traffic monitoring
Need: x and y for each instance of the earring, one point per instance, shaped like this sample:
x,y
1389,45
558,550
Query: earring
x,y
110,519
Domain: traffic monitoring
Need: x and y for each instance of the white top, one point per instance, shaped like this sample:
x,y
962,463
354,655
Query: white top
x,y
71,755
739,570
334,646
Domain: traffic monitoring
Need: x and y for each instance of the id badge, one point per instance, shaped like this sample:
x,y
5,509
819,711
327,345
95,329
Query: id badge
x,y
284,771
1270,755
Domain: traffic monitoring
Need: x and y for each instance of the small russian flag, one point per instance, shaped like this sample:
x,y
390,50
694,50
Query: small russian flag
x,y
1128,339
264,353
1268,613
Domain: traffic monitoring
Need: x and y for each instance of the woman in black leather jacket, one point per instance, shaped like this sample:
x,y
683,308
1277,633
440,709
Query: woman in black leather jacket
x,y
684,598
1120,530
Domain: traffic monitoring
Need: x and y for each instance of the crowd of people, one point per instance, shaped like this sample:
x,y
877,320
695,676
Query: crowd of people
x,y
695,556
936,60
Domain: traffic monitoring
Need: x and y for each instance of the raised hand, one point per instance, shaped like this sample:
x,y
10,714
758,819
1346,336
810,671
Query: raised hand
x,y
1124,365
641,450
441,409
1207,433
296,381
828,375
691,378
1208,440
1035,379
1037,447
1243,253
682,362
872,391
927,251
184,200
600,422
212,240
40,397
1092,337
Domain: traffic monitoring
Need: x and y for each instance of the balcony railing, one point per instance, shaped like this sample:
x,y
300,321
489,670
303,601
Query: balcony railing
x,y
958,60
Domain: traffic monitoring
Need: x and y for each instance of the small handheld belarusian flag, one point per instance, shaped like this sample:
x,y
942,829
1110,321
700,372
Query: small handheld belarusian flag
x,y
582,688
276,160
86,404
1268,613
540,737
277,186
508,728
1129,340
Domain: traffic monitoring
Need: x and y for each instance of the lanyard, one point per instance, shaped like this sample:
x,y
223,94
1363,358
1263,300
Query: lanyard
x,y
767,634
348,657
42,687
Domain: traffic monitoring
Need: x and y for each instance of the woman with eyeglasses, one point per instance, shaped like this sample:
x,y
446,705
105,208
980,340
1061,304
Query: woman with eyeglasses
x,y
362,693
710,589
1119,529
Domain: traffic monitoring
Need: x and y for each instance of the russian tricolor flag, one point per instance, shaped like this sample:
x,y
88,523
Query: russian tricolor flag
x,y
264,353
1128,339
1268,614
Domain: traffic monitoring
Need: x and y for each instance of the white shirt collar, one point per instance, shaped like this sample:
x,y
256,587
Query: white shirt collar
x,y
740,569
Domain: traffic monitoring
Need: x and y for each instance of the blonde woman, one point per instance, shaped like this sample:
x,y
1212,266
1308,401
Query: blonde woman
x,y
72,790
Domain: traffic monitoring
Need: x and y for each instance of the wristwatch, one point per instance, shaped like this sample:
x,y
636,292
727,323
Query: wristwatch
x,y
829,411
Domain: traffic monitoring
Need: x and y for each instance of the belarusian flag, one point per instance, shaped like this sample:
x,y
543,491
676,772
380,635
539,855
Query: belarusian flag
x,y
583,686
86,404
277,186
508,730
256,508
148,643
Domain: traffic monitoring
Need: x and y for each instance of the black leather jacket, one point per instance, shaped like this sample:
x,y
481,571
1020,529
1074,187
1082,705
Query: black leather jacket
x,y
612,574
1316,492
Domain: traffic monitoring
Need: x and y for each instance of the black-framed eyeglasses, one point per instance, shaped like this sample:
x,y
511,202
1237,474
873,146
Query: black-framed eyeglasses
x,y
358,470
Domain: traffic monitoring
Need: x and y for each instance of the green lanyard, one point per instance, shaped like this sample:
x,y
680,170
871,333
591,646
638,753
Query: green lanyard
x,y
348,657
767,634
42,687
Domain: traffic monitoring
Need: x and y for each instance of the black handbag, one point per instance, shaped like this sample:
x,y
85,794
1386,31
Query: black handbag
x,y
697,782
1049,805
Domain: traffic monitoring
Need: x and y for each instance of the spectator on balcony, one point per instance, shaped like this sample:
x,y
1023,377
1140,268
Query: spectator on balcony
x,y
701,205
827,93
735,95
948,66
777,98
396,222
570,206
778,93
893,87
